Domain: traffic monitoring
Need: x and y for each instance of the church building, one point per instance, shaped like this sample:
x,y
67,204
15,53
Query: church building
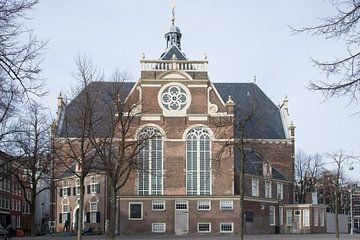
x,y
188,179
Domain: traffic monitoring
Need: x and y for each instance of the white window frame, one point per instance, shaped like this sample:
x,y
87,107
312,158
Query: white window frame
x,y
181,203
279,190
267,189
158,203
224,203
198,132
306,217
322,218
281,215
93,211
289,215
232,227
208,223
203,205
153,226
142,211
145,177
272,219
255,187
18,221
316,217
93,179
65,212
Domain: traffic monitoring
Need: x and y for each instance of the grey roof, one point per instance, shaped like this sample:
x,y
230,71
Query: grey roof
x,y
266,123
168,54
254,165
249,99
72,123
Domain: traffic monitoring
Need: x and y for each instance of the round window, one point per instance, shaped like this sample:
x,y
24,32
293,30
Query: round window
x,y
174,98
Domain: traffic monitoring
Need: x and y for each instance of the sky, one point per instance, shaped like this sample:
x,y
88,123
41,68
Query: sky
x,y
242,39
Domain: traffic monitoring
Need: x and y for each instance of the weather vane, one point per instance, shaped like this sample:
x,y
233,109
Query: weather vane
x,y
173,13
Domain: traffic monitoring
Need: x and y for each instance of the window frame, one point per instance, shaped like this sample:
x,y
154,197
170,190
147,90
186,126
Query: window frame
x,y
199,223
315,217
281,215
289,213
306,216
280,190
272,219
232,227
141,212
204,203
162,223
221,205
153,203
257,193
197,136
267,189
145,178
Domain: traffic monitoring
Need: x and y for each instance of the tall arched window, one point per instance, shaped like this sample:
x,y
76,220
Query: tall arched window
x,y
151,160
198,172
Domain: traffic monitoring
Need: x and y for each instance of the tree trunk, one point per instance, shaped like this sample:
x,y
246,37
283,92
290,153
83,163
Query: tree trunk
x,y
81,209
336,212
32,213
113,209
241,191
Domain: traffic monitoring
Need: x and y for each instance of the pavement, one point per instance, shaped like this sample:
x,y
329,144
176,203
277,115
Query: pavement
x,y
205,237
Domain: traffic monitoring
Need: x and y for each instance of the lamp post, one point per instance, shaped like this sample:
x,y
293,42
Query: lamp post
x,y
351,211
351,167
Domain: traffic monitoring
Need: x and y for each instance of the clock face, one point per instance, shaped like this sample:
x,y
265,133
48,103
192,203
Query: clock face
x,y
174,98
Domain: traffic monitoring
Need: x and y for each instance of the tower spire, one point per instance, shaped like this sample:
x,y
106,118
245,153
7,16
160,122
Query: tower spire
x,y
173,40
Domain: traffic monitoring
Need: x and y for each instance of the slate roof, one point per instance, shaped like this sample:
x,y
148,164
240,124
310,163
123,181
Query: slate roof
x,y
254,166
249,99
71,123
266,123
168,54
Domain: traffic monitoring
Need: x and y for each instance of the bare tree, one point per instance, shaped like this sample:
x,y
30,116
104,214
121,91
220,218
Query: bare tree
x,y
239,146
73,147
32,161
339,160
342,73
20,58
117,150
308,170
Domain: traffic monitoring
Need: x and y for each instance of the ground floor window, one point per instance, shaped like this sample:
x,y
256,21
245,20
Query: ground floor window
x,y
203,205
322,217
289,217
135,211
272,215
316,217
204,227
306,218
226,205
18,222
281,215
181,205
158,227
158,205
226,227
249,216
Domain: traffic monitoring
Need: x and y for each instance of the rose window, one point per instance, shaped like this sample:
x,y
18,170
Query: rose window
x,y
174,98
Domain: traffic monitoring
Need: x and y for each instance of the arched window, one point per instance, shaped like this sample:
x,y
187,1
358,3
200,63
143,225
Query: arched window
x,y
151,161
198,172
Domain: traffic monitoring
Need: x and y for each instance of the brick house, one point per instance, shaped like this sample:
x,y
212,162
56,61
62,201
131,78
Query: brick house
x,y
14,209
185,185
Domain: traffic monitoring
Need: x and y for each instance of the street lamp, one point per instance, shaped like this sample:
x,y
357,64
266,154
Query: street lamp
x,y
351,167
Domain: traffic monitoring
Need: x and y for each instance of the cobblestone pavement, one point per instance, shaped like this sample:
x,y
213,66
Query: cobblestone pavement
x,y
206,237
